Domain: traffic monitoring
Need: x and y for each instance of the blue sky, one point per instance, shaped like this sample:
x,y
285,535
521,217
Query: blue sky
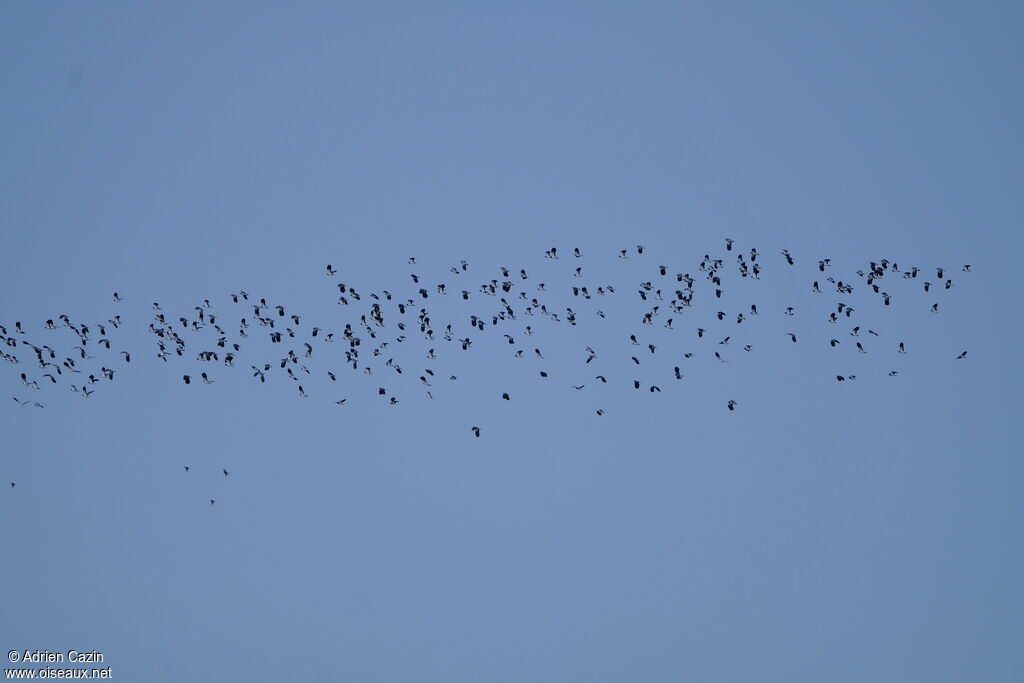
x,y
858,531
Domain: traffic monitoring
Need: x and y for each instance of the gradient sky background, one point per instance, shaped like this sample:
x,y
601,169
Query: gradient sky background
x,y
845,532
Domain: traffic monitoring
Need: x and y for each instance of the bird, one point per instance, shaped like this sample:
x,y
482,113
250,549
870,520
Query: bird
x,y
476,431
396,316
732,405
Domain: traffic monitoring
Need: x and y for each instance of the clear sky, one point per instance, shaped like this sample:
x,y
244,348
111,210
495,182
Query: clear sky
x,y
176,152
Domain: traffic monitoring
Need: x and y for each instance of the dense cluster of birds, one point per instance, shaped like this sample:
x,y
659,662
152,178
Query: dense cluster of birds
x,y
383,326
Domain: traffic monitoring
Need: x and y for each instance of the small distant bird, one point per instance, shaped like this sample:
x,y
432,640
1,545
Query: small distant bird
x,y
476,431
731,405
187,468
962,356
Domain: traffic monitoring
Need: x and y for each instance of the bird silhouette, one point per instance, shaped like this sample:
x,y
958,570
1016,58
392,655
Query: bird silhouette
x,y
386,329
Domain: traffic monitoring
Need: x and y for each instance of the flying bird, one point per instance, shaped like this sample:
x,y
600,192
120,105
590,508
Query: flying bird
x,y
405,314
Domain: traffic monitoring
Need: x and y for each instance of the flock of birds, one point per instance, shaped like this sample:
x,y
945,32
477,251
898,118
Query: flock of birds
x,y
384,326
